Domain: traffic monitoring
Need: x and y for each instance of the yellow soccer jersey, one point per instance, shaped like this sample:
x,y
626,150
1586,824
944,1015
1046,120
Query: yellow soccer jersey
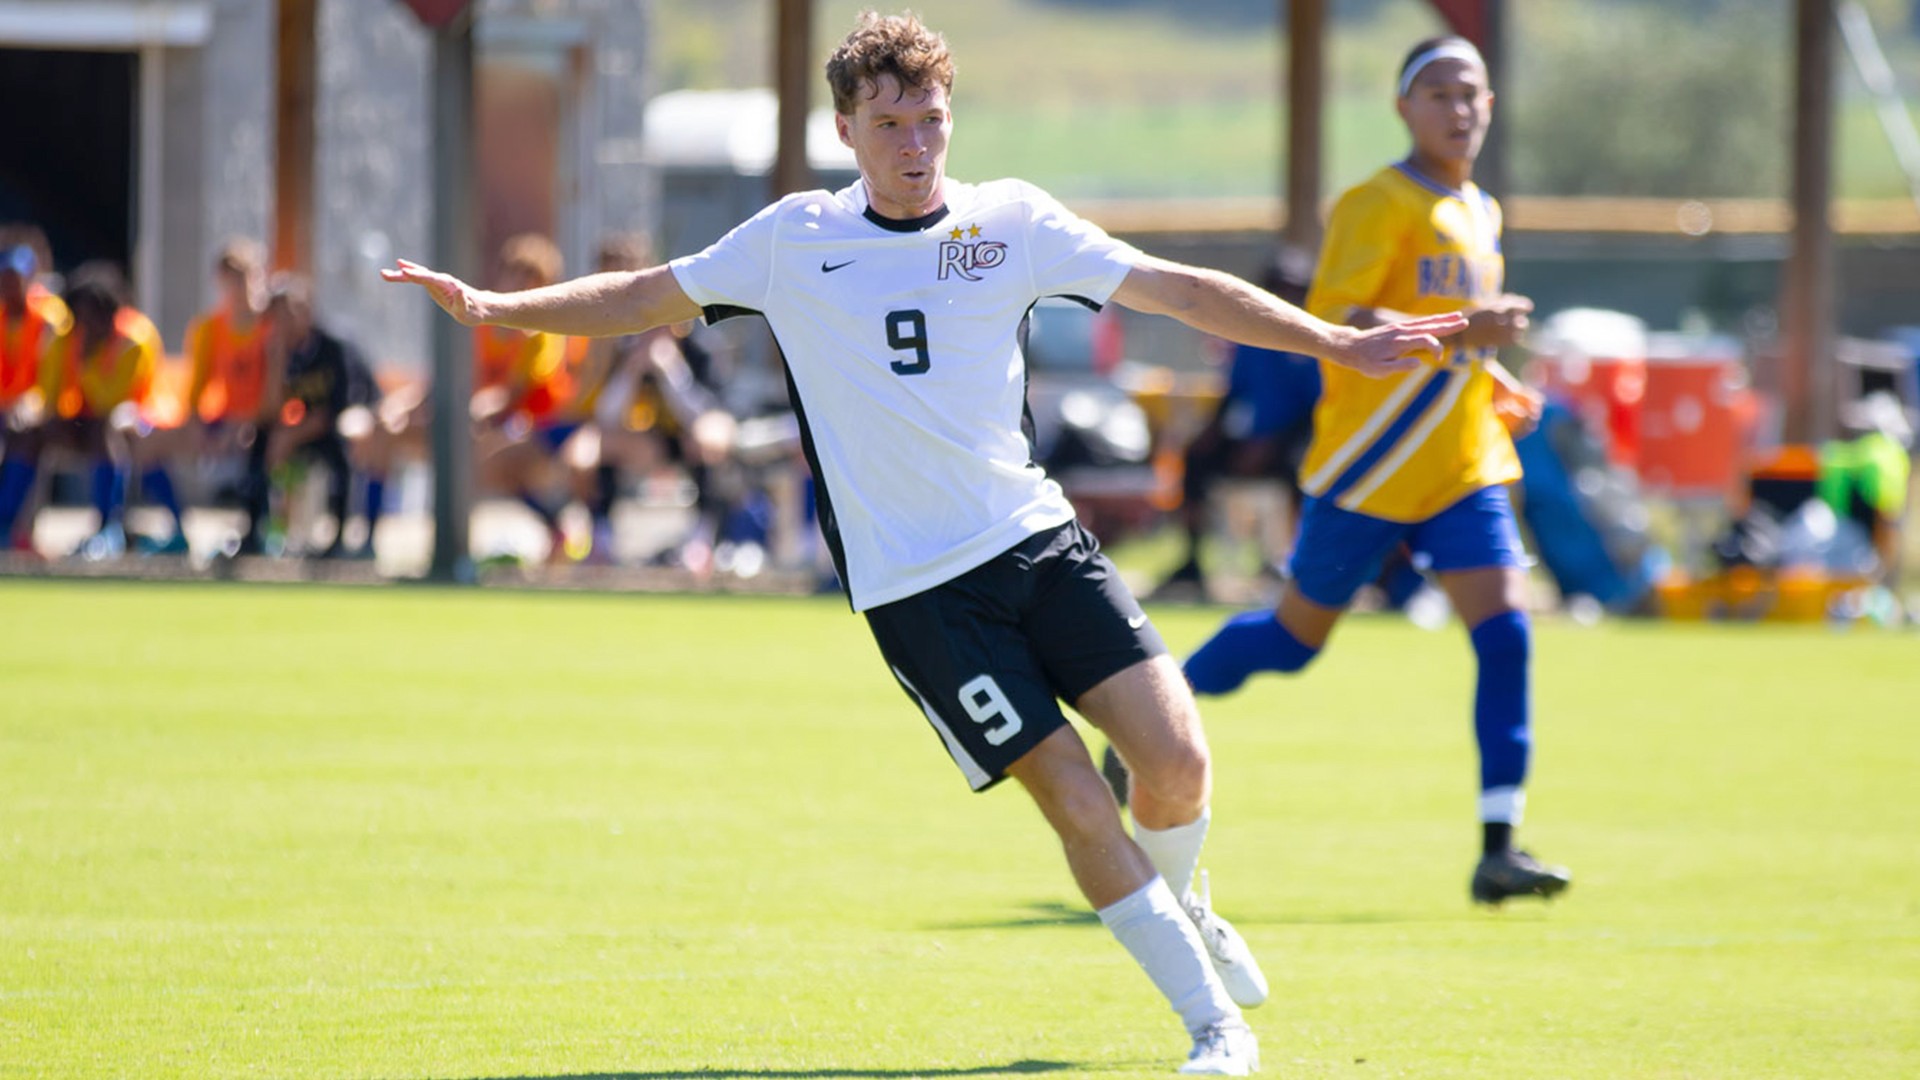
x,y
90,384
1408,446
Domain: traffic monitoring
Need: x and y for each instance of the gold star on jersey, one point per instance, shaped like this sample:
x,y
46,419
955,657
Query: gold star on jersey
x,y
961,259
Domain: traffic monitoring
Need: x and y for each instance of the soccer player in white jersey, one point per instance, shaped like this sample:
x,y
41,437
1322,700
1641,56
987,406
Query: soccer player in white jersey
x,y
897,304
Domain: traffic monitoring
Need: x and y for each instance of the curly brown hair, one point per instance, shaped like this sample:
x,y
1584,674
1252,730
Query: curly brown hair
x,y
896,45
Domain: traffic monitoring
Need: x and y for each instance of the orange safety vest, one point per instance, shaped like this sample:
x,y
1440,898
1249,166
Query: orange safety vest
x,y
498,352
21,333
233,365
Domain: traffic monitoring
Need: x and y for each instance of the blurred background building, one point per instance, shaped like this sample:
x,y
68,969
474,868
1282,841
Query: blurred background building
x,y
144,132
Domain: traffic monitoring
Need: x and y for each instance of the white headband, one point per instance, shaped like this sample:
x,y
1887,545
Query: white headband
x,y
1451,49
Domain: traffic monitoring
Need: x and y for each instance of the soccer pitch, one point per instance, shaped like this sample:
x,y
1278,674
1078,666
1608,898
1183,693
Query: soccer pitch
x,y
411,834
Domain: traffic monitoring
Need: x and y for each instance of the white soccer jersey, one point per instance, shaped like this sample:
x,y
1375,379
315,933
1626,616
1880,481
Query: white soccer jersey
x,y
902,351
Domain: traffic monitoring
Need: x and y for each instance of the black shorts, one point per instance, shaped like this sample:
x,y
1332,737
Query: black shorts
x,y
986,655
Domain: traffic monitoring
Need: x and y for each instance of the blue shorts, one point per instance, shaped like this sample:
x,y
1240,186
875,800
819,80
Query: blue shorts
x,y
1338,550
554,435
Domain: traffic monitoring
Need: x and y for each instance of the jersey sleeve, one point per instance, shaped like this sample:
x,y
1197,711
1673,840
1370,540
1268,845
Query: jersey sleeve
x,y
1072,256
53,368
1363,235
735,270
199,350
53,309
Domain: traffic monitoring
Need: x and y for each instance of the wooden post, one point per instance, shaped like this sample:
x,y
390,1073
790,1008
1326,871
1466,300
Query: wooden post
x,y
792,50
1490,171
294,95
454,230
1306,41
1806,299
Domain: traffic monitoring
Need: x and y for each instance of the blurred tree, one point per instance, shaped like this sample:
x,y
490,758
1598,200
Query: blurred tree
x,y
1641,97
1249,14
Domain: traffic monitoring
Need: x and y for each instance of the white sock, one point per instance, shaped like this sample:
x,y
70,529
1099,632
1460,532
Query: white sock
x,y
1175,852
1167,947
1506,804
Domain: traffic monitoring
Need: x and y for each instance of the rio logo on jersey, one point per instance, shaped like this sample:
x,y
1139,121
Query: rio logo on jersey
x,y
963,252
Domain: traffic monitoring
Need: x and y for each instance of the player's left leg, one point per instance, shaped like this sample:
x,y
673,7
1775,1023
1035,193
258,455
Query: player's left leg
x,y
154,451
1477,557
331,450
110,459
19,464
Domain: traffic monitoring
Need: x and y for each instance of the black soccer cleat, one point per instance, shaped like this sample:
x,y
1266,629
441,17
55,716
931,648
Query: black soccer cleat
x,y
1513,872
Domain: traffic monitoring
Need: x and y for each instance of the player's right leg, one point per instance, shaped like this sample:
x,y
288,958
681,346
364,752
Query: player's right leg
x,y
1150,717
961,652
1337,551
1134,902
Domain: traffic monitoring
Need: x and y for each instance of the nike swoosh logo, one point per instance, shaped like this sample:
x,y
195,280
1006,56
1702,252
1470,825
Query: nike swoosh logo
x,y
825,269
1136,622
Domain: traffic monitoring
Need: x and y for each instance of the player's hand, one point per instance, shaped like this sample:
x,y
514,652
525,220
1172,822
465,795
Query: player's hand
x,y
1398,346
456,297
1501,323
1518,407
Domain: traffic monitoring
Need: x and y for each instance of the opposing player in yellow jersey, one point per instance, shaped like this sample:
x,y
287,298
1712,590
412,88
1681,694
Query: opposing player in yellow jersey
x,y
1421,458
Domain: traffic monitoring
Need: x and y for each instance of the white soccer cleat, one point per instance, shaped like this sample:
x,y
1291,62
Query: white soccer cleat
x,y
1227,1048
1232,960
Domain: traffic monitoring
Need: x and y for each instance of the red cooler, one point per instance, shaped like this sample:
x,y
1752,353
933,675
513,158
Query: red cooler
x,y
1697,414
1597,361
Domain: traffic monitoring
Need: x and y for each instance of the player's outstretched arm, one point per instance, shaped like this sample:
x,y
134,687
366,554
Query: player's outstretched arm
x,y
598,305
1228,307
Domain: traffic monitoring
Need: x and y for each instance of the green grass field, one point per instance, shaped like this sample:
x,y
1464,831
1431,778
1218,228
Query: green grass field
x,y
418,835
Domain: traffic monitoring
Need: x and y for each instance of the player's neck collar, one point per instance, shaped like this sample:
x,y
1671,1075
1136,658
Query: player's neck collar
x,y
919,224
1413,172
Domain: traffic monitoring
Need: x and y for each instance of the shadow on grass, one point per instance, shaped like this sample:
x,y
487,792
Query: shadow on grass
x,y
1012,1068
1344,918
1044,913
1052,913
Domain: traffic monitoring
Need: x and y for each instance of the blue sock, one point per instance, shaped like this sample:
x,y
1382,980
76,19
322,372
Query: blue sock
x,y
16,483
1250,641
158,486
376,498
1501,706
109,491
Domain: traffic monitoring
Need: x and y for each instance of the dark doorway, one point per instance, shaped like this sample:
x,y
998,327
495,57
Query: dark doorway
x,y
69,160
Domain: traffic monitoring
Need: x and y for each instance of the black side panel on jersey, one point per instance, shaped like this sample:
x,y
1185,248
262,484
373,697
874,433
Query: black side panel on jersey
x,y
1081,300
822,503
1026,387
1026,374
